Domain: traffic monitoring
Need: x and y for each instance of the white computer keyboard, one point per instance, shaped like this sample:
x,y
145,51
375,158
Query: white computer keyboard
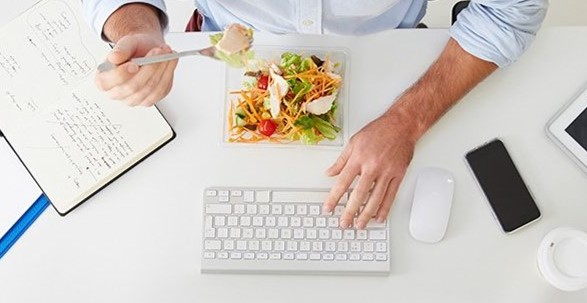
x,y
261,230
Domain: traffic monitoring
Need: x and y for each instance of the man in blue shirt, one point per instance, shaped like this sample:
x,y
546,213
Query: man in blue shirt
x,y
487,35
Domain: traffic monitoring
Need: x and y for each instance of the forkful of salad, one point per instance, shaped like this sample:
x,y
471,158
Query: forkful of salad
x,y
229,46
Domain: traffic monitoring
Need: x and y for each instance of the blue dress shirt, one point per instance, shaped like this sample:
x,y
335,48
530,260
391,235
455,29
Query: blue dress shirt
x,y
494,30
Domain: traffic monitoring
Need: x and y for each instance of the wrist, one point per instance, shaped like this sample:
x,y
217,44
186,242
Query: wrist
x,y
133,19
404,118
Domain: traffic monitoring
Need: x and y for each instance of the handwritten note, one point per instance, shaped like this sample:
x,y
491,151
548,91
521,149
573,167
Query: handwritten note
x,y
44,53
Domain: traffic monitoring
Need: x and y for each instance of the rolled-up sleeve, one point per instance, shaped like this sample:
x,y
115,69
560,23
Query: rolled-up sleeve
x,y
97,12
499,30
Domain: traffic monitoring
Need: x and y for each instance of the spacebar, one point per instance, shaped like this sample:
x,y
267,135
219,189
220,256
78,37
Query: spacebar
x,y
301,196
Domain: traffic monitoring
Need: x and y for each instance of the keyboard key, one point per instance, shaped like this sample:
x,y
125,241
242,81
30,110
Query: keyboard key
x,y
232,221
286,233
239,209
223,193
349,234
270,221
276,209
330,246
241,245
248,196
275,256
288,256
362,234
289,209
236,193
354,257
304,246
324,234
260,233
301,256
218,209
295,222
321,222
262,256
311,234
297,197
314,210
368,257
298,233
252,209
219,221
209,255
222,232
257,221
249,256
212,245
235,232
211,193
333,222
253,245
380,257
343,246
368,246
273,233
315,256
378,234
374,224
381,247
236,255
338,210
264,209
266,245
292,246
328,257
340,257
223,199
222,255
355,246
248,233
263,196
302,210
308,222
279,245
245,221
228,244
317,246
282,221
336,234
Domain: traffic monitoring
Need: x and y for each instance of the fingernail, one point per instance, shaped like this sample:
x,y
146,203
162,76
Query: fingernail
x,y
326,209
132,68
360,224
380,219
344,224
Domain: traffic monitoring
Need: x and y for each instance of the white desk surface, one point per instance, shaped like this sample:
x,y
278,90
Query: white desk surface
x,y
139,240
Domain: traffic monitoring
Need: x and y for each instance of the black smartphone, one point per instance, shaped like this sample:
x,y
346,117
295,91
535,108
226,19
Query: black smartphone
x,y
507,194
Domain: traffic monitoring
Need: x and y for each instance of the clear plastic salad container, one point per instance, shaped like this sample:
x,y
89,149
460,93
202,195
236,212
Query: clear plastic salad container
x,y
315,129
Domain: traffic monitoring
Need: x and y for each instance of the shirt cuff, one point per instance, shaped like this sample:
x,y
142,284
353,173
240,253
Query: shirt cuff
x,y
499,33
98,11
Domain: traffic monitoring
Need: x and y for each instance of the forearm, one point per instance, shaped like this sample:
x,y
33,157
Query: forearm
x,y
133,18
447,80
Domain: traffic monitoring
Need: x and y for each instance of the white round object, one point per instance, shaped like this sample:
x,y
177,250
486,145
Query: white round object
x,y
562,258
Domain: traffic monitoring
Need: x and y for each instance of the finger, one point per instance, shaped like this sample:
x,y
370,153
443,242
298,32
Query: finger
x,y
115,77
124,50
136,83
149,89
340,162
358,196
340,187
385,206
375,199
164,86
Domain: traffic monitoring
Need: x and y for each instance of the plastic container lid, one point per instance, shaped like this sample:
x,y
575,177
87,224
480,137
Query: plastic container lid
x,y
562,258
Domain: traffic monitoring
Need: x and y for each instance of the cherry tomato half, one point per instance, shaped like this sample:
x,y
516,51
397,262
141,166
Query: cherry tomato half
x,y
267,127
263,82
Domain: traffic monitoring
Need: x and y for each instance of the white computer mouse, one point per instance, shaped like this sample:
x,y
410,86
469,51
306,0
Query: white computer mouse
x,y
431,204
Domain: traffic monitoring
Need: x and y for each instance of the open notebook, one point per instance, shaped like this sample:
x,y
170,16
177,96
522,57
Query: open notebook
x,y
72,139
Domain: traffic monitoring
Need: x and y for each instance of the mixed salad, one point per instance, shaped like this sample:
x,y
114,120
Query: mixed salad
x,y
286,101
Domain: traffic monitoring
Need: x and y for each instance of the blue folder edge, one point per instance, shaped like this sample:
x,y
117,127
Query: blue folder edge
x,y
22,224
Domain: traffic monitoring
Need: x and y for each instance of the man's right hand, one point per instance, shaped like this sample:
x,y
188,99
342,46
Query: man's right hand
x,y
136,30
134,85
